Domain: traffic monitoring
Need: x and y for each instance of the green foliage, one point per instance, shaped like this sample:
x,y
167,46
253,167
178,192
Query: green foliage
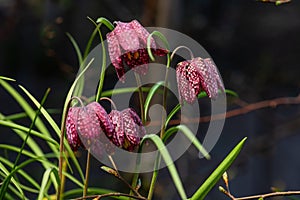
x,y
44,128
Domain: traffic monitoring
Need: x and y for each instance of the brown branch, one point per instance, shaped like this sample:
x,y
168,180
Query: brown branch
x,y
243,110
263,196
110,195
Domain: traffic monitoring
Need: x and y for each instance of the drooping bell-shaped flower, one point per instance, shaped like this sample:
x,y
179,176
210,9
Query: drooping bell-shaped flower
x,y
71,128
127,43
128,128
196,75
102,117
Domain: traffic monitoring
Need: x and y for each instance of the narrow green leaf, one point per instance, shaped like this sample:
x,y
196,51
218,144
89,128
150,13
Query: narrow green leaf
x,y
46,176
26,130
189,134
231,92
29,111
218,172
91,191
76,47
151,93
123,90
169,162
163,39
55,127
79,87
27,177
201,95
68,98
172,113
71,90
7,78
103,65
6,182
106,22
42,160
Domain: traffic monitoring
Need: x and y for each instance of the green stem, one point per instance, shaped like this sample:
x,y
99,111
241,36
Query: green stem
x,y
87,173
141,96
154,177
103,67
162,131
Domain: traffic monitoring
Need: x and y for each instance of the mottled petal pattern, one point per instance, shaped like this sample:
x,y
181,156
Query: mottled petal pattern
x,y
215,74
143,34
128,128
114,51
127,36
88,126
117,122
188,81
196,75
133,128
71,128
128,43
103,118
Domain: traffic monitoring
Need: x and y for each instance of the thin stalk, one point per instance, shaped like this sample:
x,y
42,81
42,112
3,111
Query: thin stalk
x,y
61,148
87,173
122,179
154,177
162,131
103,67
141,96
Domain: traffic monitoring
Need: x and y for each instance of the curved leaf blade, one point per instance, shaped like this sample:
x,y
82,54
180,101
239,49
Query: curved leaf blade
x,y
151,93
189,134
169,162
218,172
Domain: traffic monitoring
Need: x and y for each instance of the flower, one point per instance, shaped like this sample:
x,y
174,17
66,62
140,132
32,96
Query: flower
x,y
71,128
85,125
196,75
128,128
128,43
102,117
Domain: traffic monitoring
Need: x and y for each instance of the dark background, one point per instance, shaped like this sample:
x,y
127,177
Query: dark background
x,y
255,45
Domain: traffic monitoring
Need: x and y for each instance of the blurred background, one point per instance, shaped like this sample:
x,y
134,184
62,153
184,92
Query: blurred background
x,y
255,45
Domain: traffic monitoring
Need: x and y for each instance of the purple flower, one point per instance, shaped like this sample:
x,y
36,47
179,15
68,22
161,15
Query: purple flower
x,y
128,128
196,75
86,125
71,129
117,122
128,43
102,117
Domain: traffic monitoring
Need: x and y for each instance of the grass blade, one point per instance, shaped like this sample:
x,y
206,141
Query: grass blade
x,y
189,134
5,184
26,130
29,111
76,47
151,93
169,162
218,172
46,176
201,95
27,177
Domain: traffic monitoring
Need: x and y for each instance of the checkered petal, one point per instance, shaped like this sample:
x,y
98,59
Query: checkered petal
x,y
127,36
196,75
118,125
133,128
102,117
88,126
143,34
188,81
114,51
71,129
215,74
